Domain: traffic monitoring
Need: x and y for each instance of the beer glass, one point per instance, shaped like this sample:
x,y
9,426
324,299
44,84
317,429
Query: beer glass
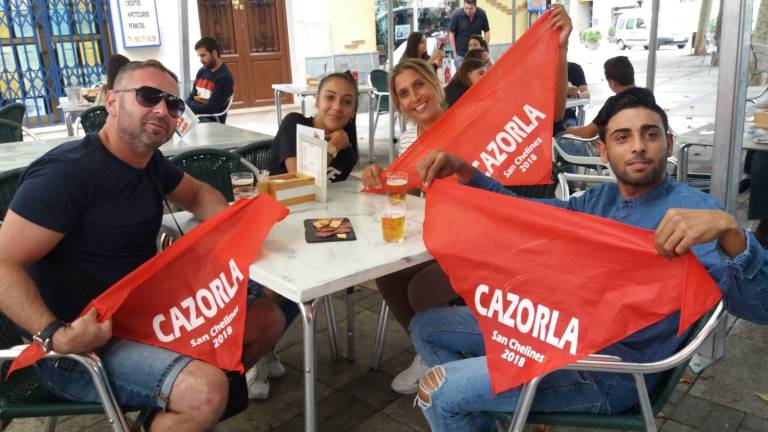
x,y
393,222
241,179
397,183
245,192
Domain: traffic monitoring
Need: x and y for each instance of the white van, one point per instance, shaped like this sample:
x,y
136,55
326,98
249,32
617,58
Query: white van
x,y
633,28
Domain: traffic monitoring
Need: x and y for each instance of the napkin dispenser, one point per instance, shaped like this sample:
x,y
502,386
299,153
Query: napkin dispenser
x,y
292,188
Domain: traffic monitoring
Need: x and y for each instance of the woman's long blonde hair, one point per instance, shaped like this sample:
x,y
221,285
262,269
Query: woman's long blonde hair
x,y
422,68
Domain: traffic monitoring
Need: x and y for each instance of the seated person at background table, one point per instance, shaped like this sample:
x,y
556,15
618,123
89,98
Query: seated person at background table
x,y
336,104
470,70
416,94
758,195
213,85
114,64
635,140
86,214
416,47
577,89
620,76
479,53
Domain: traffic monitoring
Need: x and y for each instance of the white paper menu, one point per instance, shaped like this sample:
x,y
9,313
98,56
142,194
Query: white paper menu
x,y
312,158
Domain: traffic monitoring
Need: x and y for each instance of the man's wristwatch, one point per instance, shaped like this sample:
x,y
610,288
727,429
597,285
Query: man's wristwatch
x,y
44,338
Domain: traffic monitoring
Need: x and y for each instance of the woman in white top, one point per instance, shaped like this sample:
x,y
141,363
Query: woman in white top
x,y
416,94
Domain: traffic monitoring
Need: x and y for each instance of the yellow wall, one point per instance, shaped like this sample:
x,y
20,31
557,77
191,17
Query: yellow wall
x,y
353,29
500,22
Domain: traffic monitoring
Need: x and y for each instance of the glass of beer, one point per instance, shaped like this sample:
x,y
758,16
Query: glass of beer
x,y
393,222
241,179
397,183
245,192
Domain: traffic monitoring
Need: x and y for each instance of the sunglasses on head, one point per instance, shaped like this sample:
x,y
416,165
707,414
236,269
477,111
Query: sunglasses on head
x,y
148,97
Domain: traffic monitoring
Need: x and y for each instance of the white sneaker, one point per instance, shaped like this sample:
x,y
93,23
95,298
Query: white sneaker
x,y
407,381
275,369
256,379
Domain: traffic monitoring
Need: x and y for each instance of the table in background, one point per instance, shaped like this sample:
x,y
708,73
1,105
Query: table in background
x,y
705,136
71,112
302,91
579,105
204,135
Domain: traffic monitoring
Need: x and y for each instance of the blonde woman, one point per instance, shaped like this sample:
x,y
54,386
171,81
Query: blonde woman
x,y
417,95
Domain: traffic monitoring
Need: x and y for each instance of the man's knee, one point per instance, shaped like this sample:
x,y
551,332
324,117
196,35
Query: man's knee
x,y
431,381
266,321
200,392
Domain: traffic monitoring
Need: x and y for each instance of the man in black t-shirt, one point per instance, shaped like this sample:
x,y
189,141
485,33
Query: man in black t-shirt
x,y
468,21
86,214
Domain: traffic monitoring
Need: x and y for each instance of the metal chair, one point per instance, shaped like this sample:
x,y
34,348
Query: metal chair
x,y
22,395
93,119
258,153
588,169
636,418
378,79
214,167
15,112
219,117
10,131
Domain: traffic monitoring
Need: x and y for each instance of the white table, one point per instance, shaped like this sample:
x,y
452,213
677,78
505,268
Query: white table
x,y
71,112
302,91
579,104
304,272
203,135
705,136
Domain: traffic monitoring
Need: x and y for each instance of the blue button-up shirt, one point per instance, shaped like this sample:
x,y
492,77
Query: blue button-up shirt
x,y
743,279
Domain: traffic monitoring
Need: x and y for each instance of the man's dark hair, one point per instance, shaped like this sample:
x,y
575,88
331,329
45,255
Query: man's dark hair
x,y
114,64
620,69
635,97
472,2
209,44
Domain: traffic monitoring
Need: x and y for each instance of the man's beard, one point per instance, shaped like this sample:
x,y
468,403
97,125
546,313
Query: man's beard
x,y
652,176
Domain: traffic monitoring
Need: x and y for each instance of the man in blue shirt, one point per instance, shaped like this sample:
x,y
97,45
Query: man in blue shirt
x,y
635,140
214,84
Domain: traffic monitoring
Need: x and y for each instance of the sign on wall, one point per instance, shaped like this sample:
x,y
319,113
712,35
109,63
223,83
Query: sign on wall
x,y
138,20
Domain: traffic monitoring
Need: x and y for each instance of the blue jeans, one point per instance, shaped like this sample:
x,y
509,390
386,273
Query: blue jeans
x,y
140,375
444,336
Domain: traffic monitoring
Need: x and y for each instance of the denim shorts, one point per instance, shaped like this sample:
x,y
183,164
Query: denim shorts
x,y
140,375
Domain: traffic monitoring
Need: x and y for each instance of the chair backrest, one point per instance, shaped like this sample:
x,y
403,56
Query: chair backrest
x,y
93,118
9,181
379,80
220,117
211,166
13,112
10,131
258,153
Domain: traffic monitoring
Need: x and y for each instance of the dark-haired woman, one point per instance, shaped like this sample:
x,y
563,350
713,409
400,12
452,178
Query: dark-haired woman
x,y
336,104
416,47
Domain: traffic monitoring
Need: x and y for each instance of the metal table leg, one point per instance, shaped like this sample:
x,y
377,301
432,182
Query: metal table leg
x,y
310,367
371,125
332,330
278,106
70,124
350,325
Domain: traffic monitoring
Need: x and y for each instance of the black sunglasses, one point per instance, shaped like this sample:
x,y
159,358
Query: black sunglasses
x,y
148,97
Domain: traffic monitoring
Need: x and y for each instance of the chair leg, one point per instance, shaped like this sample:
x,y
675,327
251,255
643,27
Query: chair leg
x,y
350,325
333,333
645,403
49,425
381,331
524,405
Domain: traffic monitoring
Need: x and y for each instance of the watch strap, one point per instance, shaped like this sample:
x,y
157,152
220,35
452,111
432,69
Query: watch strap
x,y
44,338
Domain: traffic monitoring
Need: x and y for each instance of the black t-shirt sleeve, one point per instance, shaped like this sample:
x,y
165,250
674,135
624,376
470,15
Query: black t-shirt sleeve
x,y
486,26
455,23
171,174
53,193
284,144
576,75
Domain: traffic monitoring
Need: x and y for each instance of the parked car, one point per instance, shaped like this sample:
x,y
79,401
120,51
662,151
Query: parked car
x,y
633,29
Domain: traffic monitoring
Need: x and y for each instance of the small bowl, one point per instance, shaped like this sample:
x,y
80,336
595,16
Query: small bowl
x,y
89,98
